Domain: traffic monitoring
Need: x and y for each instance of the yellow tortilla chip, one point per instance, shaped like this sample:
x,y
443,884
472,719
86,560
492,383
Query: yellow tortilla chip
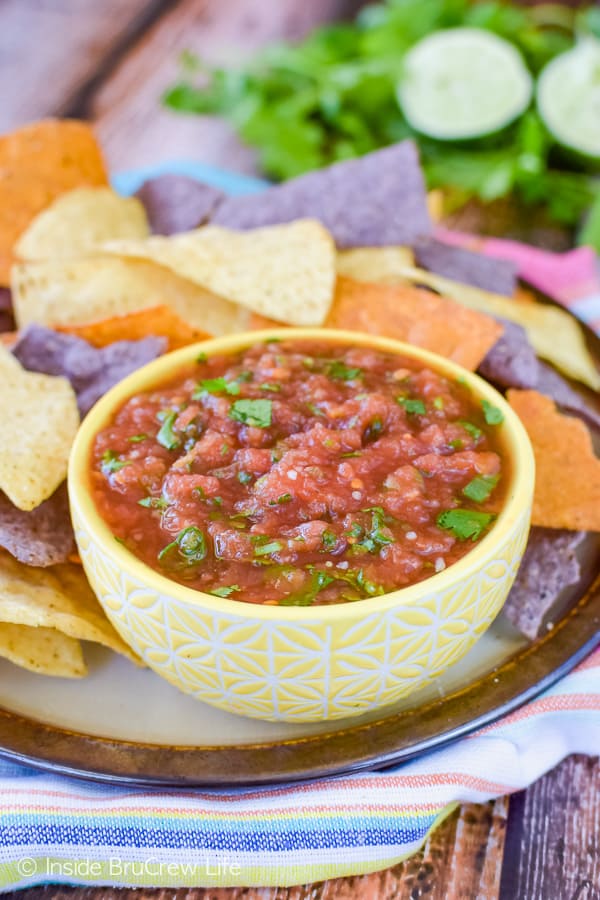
x,y
59,597
42,650
39,421
284,271
373,263
554,334
75,292
38,163
156,320
79,220
567,483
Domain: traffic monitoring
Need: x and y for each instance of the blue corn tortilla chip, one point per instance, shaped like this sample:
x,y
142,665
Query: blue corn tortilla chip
x,y
512,363
373,201
549,566
175,203
92,371
485,272
41,537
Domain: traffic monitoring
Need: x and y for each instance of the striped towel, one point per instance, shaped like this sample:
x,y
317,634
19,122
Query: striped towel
x,y
63,830
56,829
571,278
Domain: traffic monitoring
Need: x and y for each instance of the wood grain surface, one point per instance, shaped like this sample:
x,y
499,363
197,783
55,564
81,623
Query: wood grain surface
x,y
110,60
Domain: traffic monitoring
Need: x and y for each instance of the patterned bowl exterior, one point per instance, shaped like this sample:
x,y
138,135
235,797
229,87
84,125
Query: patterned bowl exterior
x,y
299,664
310,670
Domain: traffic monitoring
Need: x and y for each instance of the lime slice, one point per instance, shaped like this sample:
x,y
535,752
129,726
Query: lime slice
x,y
568,97
463,83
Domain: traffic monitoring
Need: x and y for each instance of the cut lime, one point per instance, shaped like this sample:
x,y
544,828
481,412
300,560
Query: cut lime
x,y
463,83
568,98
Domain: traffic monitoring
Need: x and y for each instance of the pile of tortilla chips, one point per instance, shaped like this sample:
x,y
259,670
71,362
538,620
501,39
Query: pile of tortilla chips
x,y
101,284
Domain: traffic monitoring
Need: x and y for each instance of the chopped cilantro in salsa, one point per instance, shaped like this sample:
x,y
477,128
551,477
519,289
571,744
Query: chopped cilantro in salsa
x,y
298,473
256,413
491,413
167,437
465,524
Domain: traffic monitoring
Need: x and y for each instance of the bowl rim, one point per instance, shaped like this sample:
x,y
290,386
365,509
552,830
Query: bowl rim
x,y
517,448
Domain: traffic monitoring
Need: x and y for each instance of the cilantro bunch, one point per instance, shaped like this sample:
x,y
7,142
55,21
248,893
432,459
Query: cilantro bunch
x,y
333,97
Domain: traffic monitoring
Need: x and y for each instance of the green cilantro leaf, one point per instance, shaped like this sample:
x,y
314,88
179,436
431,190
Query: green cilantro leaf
x,y
378,535
166,437
464,523
187,550
137,438
154,503
256,413
480,488
329,539
473,430
218,385
412,407
339,371
491,413
226,591
111,462
307,595
267,549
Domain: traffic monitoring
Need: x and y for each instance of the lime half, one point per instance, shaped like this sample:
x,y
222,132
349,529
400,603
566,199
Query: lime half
x,y
463,83
568,98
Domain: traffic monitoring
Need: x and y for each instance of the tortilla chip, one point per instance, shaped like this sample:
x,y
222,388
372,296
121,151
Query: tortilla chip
x,y
74,292
42,650
64,147
554,385
153,321
549,565
485,272
415,316
362,262
176,203
512,363
541,321
78,221
39,421
567,484
41,537
91,371
59,598
38,163
285,271
376,200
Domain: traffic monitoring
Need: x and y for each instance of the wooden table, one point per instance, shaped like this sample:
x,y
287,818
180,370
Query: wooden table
x,y
109,61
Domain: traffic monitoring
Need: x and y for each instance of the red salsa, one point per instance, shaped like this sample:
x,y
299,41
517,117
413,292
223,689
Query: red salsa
x,y
298,473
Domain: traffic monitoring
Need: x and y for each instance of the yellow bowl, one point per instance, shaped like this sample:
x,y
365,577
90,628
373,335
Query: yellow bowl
x,y
301,664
